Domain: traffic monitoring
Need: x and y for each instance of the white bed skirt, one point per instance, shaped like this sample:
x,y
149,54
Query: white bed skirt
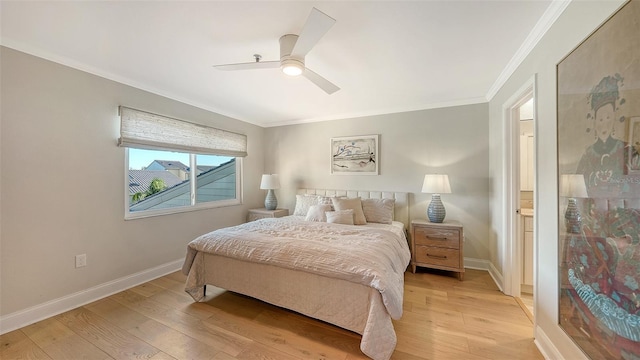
x,y
351,306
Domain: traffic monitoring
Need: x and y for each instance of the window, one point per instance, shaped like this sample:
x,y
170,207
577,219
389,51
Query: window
x,y
161,180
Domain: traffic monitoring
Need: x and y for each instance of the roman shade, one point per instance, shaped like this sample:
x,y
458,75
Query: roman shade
x,y
141,129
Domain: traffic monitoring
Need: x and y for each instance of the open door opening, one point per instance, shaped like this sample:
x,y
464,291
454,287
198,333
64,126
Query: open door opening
x,y
519,198
526,196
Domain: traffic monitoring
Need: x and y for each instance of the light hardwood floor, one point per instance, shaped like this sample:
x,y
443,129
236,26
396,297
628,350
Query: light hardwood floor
x,y
443,319
526,303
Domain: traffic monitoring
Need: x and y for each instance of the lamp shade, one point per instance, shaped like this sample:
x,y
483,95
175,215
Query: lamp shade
x,y
436,184
573,186
270,182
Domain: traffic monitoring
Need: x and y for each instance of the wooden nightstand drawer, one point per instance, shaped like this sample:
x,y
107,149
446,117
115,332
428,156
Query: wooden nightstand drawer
x,y
438,246
256,214
438,256
447,238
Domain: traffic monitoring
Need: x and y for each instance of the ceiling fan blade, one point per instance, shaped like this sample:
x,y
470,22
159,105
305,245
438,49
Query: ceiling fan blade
x,y
249,66
321,82
318,23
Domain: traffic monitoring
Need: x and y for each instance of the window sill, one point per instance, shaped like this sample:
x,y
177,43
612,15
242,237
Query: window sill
x,y
178,210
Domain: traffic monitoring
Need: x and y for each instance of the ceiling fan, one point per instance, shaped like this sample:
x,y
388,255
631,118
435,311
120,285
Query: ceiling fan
x,y
293,49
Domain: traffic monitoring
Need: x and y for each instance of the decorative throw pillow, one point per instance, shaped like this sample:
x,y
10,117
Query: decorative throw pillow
x,y
317,213
326,200
340,217
378,210
303,203
354,204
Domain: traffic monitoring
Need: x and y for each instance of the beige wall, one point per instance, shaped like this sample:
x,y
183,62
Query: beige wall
x,y
63,183
450,140
575,24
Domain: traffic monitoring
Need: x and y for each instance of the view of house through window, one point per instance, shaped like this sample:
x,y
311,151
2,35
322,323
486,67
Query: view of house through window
x,y
164,179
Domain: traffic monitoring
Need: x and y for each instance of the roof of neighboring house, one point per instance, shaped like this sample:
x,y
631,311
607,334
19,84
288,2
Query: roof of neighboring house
x,y
204,168
204,179
172,165
139,180
207,169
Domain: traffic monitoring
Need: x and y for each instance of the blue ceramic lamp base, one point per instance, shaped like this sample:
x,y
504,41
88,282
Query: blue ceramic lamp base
x,y
270,202
436,211
572,218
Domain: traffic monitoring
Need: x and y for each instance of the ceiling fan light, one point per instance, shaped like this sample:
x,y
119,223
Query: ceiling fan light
x,y
292,70
292,67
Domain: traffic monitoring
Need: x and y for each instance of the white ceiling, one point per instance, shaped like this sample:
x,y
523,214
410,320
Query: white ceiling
x,y
386,56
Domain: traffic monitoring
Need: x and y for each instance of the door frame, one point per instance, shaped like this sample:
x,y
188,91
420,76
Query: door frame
x,y
512,247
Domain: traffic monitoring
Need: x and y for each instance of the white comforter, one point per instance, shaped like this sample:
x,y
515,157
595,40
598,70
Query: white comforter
x,y
375,256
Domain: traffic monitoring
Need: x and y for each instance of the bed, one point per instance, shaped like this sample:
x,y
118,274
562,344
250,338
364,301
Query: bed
x,y
357,283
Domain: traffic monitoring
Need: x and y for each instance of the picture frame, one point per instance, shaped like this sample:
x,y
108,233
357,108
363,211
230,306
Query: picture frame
x,y
355,155
599,189
634,145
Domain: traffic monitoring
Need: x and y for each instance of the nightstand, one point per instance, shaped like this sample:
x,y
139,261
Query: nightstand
x,y
255,214
437,246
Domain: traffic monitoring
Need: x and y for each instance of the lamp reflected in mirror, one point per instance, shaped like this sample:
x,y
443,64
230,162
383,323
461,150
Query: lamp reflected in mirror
x,y
572,186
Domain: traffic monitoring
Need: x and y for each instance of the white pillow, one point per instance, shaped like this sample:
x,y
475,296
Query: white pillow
x,y
378,210
303,203
340,217
317,213
326,200
354,204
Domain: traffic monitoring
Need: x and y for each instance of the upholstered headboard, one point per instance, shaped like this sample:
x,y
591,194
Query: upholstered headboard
x,y
606,204
401,211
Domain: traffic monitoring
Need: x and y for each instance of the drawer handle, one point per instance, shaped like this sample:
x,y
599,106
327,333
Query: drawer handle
x,y
437,256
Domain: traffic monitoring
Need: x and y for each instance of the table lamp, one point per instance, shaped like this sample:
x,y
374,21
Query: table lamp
x,y
572,186
270,183
436,184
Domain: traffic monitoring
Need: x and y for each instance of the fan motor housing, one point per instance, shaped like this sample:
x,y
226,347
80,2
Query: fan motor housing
x,y
287,42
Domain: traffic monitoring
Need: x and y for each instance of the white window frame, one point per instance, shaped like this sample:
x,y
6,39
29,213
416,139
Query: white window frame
x,y
131,215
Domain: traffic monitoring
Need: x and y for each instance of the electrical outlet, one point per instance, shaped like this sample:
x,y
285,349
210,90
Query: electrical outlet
x,y
81,260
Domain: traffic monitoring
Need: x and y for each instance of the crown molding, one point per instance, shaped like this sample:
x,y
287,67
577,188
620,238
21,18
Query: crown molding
x,y
543,25
378,112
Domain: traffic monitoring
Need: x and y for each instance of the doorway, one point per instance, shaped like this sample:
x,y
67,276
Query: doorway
x,y
519,198
526,195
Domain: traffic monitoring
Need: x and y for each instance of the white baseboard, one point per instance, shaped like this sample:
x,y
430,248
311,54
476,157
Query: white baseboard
x,y
54,307
497,277
545,345
478,264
